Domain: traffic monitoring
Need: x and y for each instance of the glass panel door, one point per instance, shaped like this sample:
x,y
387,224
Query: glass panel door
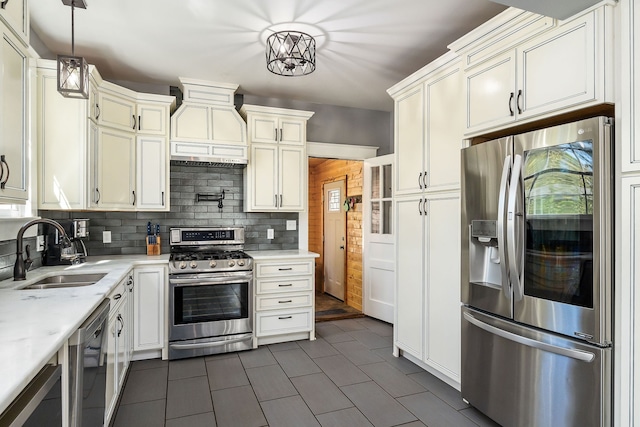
x,y
381,200
558,192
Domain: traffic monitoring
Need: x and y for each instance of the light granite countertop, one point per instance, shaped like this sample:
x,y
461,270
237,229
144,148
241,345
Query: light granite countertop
x,y
276,254
34,324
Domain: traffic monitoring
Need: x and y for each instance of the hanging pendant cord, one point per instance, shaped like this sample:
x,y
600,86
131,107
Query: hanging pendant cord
x,y
73,50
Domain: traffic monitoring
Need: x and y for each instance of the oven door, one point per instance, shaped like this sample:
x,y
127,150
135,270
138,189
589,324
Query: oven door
x,y
210,305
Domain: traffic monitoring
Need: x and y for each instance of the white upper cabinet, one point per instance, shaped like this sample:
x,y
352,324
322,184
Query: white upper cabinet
x,y
284,130
79,162
62,146
151,173
275,178
14,119
113,160
554,68
15,14
429,111
152,119
116,112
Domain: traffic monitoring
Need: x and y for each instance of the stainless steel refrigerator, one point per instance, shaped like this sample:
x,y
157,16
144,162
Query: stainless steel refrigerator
x,y
536,265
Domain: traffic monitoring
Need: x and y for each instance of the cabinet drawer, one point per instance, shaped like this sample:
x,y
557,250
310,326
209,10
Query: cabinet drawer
x,y
284,269
283,301
283,322
284,285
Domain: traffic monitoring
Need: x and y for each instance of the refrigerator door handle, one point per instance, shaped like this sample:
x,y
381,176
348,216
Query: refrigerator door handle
x,y
515,251
581,355
502,212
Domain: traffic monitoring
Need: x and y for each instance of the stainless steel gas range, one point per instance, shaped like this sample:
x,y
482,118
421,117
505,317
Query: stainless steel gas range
x,y
210,292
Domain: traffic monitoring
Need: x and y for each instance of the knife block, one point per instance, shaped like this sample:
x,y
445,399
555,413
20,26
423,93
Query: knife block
x,y
153,248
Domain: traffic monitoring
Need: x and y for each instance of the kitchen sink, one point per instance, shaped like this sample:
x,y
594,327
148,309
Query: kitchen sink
x,y
66,281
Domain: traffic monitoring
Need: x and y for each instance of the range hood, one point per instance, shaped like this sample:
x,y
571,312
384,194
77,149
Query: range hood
x,y
206,129
559,9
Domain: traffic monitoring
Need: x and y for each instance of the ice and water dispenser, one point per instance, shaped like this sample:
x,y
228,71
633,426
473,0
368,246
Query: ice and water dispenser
x,y
484,253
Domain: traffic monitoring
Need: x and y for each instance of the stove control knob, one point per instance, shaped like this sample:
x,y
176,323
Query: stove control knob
x,y
240,263
194,264
212,264
232,263
183,265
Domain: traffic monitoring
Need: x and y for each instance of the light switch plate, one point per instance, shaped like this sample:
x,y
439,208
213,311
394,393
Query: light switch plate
x,y
270,233
40,243
106,237
291,224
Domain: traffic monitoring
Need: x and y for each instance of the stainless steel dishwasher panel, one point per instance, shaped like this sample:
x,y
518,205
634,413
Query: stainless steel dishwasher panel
x,y
88,370
521,376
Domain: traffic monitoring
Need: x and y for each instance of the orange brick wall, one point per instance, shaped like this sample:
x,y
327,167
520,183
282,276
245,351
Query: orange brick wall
x,y
322,171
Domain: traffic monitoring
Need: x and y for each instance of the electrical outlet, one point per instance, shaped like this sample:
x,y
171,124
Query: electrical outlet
x,y
291,224
40,243
270,233
106,237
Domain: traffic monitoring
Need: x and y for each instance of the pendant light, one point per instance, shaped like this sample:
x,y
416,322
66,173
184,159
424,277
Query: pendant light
x,y
73,71
291,53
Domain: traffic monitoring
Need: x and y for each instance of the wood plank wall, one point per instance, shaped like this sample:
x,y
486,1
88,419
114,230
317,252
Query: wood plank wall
x,y
322,171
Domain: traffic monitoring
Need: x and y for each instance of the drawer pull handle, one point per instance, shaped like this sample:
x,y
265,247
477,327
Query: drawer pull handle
x,y
285,269
284,317
285,302
117,296
282,285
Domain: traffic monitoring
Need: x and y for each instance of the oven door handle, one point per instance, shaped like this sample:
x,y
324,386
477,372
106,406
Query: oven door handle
x,y
245,337
209,279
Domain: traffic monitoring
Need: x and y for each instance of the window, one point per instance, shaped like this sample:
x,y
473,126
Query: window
x,y
381,202
334,200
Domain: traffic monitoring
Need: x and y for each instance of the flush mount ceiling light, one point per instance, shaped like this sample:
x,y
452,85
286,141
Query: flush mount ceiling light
x,y
291,53
73,71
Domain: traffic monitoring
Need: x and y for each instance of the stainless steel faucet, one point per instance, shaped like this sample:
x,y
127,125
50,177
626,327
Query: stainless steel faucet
x,y
21,266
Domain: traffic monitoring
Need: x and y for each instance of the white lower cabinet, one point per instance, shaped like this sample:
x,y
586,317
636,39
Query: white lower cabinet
x,y
427,323
284,300
149,310
118,345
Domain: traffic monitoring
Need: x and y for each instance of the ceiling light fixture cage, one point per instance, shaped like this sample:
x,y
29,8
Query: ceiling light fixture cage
x,y
291,53
73,71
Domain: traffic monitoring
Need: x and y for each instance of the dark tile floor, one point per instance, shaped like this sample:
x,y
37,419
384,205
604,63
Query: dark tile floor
x,y
347,377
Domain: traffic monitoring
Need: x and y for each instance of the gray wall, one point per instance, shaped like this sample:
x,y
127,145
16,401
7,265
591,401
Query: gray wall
x,y
129,229
341,125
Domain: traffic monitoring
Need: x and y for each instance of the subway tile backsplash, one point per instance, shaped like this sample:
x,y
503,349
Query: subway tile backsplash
x,y
129,229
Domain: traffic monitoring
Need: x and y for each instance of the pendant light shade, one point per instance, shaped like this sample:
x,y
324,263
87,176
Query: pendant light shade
x,y
291,53
73,71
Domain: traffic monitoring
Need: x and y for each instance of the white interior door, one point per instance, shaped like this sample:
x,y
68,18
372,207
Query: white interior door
x,y
335,221
379,247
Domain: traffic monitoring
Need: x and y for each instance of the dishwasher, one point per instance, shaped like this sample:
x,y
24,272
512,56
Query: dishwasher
x,y
40,403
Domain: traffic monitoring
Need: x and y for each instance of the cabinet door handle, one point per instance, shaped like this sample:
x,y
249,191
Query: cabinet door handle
x,y
4,3
511,113
6,178
420,180
285,317
424,179
424,206
285,302
98,193
520,110
3,162
139,122
276,202
163,198
121,320
97,111
420,206
281,200
134,198
1,171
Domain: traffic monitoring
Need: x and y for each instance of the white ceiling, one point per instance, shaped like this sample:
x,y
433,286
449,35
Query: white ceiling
x,y
364,46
